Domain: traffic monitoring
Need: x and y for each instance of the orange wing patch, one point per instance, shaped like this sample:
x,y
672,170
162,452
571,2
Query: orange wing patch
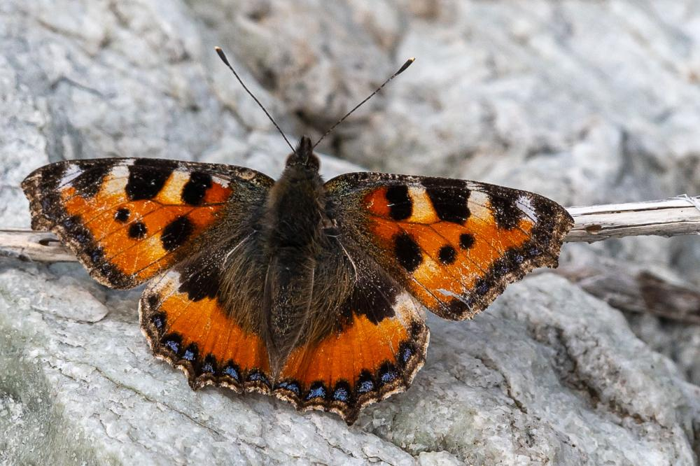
x,y
127,220
362,362
139,236
447,257
457,244
191,330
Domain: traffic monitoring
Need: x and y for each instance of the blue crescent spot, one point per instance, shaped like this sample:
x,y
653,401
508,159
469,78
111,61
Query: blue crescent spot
x,y
316,393
341,394
230,371
407,353
366,386
291,386
258,377
173,345
388,376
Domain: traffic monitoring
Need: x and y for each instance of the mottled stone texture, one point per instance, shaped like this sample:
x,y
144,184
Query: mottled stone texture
x,y
586,102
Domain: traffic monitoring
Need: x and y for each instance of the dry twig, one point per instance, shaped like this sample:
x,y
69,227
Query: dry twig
x,y
672,217
38,246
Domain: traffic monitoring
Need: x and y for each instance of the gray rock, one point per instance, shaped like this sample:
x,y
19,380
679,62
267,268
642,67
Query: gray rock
x,y
549,374
585,102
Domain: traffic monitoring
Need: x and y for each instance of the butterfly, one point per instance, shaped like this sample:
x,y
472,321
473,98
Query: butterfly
x,y
314,292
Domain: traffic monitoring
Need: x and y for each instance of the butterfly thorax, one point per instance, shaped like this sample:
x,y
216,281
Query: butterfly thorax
x,y
293,238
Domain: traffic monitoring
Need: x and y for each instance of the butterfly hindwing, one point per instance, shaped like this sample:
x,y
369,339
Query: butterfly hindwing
x,y
453,244
130,219
375,348
189,323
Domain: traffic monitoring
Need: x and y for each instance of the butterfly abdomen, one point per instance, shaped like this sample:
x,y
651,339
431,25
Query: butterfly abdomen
x,y
293,237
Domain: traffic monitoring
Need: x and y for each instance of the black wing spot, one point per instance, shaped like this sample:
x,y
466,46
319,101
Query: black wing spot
x,y
122,215
466,240
145,182
195,189
400,203
447,255
137,230
176,233
449,199
407,252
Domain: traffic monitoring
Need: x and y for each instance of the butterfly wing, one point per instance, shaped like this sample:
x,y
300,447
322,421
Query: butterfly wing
x,y
192,319
129,219
454,245
375,348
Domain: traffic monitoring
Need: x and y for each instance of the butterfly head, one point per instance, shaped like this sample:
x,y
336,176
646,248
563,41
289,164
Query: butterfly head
x,y
303,156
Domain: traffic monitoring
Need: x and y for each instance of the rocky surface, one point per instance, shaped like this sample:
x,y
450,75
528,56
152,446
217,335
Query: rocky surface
x,y
548,375
586,102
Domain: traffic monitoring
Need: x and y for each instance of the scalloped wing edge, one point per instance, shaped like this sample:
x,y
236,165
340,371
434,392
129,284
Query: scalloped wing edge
x,y
349,413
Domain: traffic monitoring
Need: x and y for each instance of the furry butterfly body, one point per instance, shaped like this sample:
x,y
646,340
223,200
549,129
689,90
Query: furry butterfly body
x,y
313,292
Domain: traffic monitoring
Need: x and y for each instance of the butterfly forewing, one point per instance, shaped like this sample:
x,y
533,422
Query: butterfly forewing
x,y
129,219
453,244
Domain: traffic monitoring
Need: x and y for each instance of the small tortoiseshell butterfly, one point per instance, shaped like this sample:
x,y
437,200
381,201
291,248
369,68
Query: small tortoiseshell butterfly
x,y
310,291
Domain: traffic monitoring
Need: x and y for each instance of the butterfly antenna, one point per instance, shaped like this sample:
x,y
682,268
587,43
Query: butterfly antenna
x,y
222,55
403,68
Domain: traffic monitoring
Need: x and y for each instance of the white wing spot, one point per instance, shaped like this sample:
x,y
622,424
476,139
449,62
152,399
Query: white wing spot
x,y
525,204
220,181
70,174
